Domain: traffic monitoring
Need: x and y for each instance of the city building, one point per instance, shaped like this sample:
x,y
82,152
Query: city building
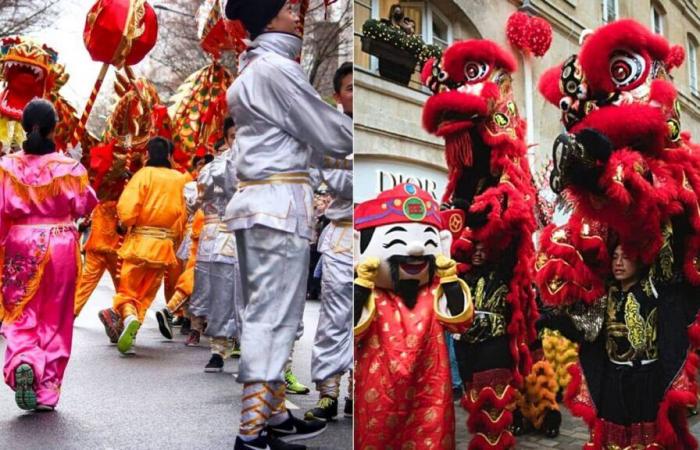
x,y
390,145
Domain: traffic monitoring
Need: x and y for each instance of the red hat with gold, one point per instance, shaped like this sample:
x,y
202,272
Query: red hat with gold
x,y
405,203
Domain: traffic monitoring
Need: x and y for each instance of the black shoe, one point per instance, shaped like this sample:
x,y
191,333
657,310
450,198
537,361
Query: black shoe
x,y
186,326
520,425
326,410
551,423
216,364
347,411
265,442
457,393
294,429
165,323
177,321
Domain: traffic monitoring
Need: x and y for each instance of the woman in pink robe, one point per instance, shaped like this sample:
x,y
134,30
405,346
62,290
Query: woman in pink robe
x,y
41,194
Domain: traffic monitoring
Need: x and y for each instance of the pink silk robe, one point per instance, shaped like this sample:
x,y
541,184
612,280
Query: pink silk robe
x,y
40,197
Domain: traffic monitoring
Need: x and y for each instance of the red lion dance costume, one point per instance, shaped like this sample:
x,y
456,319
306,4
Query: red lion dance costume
x,y
490,189
633,179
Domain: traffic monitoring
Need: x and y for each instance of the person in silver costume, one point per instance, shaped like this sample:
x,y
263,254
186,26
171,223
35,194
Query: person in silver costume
x,y
282,124
332,353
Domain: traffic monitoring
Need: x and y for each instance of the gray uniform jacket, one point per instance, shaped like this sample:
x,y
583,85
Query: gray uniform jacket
x,y
192,204
217,185
282,124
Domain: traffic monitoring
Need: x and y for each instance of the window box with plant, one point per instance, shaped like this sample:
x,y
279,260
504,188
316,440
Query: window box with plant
x,y
397,51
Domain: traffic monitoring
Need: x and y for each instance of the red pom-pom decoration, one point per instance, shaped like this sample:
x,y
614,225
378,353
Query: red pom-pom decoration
x,y
517,30
540,36
675,57
529,34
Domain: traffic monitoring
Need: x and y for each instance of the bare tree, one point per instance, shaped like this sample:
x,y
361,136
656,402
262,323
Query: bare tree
x,y
328,43
20,16
177,53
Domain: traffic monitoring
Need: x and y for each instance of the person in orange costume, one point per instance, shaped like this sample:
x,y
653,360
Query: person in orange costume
x,y
153,207
100,252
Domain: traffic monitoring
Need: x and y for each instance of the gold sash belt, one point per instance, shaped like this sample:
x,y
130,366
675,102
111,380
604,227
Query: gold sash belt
x,y
280,178
342,223
155,232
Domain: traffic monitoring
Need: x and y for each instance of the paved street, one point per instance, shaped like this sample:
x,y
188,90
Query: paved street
x,y
158,399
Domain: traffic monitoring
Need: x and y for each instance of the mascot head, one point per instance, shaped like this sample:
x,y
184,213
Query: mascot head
x,y
403,228
619,86
30,70
472,108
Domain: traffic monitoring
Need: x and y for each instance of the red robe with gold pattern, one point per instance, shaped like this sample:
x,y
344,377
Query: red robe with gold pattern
x,y
403,367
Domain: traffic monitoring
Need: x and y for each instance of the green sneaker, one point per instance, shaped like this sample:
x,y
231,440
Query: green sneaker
x,y
25,397
236,352
293,385
326,410
128,336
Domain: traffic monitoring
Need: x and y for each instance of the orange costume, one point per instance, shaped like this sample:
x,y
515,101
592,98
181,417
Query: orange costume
x,y
404,370
153,208
185,283
100,252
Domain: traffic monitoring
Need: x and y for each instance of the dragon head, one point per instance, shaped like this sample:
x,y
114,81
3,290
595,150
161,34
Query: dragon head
x,y
472,107
30,70
619,86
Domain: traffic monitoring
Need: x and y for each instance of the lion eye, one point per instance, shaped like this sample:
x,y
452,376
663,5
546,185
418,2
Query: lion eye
x,y
475,71
627,68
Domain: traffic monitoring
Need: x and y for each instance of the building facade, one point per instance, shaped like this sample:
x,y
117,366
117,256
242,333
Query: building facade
x,y
390,145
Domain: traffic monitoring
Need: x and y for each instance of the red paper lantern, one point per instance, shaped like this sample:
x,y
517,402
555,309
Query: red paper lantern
x,y
120,32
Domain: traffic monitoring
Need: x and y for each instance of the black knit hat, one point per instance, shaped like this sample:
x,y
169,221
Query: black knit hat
x,y
255,14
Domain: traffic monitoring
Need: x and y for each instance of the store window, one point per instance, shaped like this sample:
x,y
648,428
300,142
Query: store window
x,y
610,10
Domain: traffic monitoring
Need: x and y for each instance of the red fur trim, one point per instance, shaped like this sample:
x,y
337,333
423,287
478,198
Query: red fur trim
x,y
458,54
563,260
690,269
427,70
672,423
694,333
599,47
632,206
549,85
628,124
675,57
663,92
572,397
451,101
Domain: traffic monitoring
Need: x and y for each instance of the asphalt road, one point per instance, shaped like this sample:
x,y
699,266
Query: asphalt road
x,y
158,399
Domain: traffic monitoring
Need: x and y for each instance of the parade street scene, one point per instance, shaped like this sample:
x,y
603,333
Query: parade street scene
x,y
175,224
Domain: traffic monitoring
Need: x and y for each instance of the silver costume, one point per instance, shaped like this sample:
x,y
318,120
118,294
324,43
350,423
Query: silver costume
x,y
332,351
281,125
192,204
217,283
